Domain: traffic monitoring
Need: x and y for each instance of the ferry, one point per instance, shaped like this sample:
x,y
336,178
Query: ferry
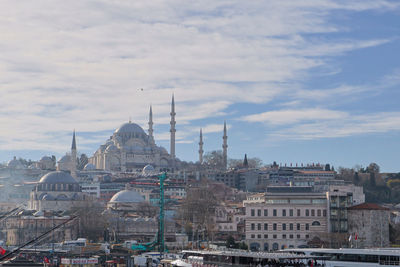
x,y
352,257
225,258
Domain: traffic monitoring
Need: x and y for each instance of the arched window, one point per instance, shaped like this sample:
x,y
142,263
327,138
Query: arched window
x,y
255,246
275,246
316,223
266,247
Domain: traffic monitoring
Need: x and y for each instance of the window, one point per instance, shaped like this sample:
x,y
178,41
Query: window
x,y
259,236
291,213
274,236
265,226
307,226
253,236
291,226
291,236
307,212
313,213
298,227
283,226
265,236
259,226
319,213
274,226
283,212
307,236
275,213
253,227
298,213
324,213
298,236
252,212
265,212
258,212
283,236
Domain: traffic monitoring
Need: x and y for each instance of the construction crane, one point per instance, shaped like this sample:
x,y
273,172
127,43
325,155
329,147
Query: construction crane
x,y
159,238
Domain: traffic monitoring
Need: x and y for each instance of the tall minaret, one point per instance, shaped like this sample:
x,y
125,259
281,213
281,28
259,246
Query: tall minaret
x,y
151,137
172,130
201,151
73,156
225,148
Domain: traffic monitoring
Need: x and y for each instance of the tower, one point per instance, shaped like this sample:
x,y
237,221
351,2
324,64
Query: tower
x,y
245,162
151,137
225,148
201,151
172,130
73,156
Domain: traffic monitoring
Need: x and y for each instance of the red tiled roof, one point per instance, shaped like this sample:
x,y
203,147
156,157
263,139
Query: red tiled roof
x,y
367,206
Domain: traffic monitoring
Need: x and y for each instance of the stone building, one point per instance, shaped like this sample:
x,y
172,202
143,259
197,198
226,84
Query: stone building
x,y
30,224
369,225
130,148
284,217
56,191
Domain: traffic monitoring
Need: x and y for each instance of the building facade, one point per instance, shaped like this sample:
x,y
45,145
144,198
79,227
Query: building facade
x,y
285,218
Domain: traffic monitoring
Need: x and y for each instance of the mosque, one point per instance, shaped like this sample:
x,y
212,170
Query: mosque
x,y
130,148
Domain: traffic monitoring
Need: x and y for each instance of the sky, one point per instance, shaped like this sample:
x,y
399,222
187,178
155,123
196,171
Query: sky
x,y
311,81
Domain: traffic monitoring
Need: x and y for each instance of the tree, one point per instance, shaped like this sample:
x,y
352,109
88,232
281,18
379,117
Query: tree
x,y
356,179
372,181
373,167
198,209
82,161
214,159
327,167
230,242
252,163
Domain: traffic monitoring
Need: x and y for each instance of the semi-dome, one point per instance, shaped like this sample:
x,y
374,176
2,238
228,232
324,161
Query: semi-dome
x,y
89,167
111,148
148,169
130,127
57,177
127,196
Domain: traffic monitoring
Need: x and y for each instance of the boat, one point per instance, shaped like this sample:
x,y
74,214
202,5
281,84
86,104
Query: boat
x,y
352,257
236,257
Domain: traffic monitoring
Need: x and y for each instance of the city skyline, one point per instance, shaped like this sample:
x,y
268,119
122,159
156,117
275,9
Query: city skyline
x,y
311,81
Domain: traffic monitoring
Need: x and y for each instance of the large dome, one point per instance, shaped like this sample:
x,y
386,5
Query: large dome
x,y
127,196
57,177
130,127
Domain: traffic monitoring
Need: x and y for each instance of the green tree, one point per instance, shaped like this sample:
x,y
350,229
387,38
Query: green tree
x,y
356,179
230,242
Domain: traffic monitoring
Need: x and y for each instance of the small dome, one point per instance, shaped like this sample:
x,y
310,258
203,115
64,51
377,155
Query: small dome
x,y
15,164
130,127
127,196
57,177
46,158
111,148
65,158
89,167
148,169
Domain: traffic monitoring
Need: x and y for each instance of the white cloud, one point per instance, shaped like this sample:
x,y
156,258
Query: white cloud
x,y
82,64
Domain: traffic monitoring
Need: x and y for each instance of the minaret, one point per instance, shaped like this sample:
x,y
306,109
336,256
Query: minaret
x,y
151,137
172,130
201,151
245,162
225,148
73,156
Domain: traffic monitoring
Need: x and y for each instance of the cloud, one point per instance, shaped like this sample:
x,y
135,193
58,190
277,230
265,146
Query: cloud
x,y
289,116
81,64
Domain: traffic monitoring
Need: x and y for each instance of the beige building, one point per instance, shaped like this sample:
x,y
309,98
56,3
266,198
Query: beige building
x,y
369,225
284,217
